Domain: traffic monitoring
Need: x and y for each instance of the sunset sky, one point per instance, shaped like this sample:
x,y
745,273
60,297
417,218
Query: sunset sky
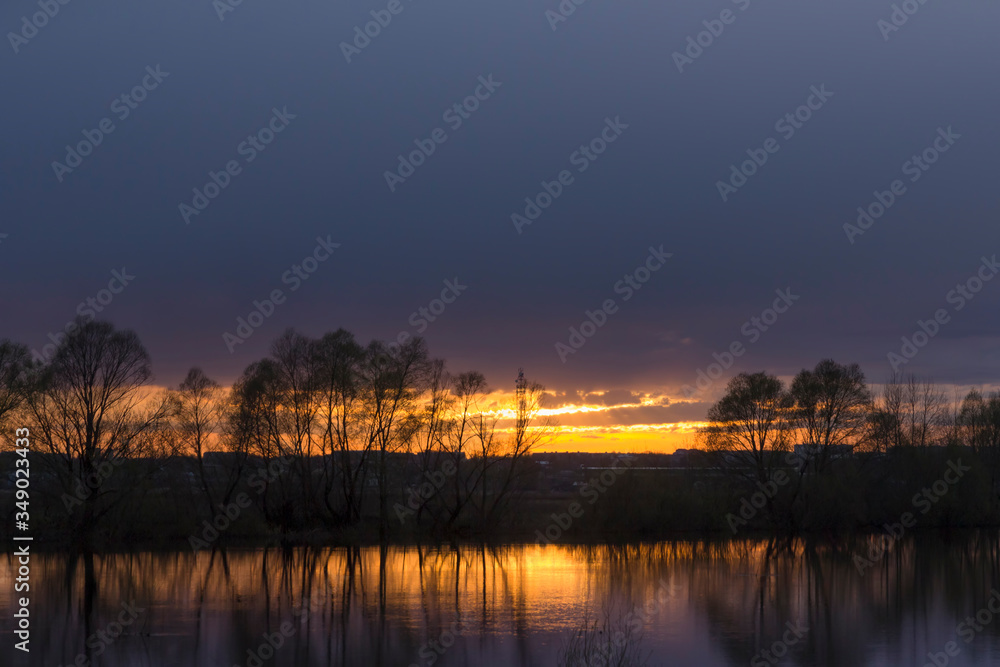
x,y
643,226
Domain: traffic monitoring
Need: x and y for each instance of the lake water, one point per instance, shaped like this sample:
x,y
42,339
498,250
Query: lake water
x,y
688,602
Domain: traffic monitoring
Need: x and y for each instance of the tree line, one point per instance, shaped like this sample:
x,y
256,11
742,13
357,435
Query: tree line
x,y
828,450
330,439
324,435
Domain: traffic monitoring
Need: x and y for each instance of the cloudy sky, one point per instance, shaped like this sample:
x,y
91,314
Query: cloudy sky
x,y
647,129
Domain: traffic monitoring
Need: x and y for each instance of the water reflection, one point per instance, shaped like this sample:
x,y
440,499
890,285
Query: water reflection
x,y
692,602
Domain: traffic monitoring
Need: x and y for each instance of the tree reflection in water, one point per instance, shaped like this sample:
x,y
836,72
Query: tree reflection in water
x,y
510,605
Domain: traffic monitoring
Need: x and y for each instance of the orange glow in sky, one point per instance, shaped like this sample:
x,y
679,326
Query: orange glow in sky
x,y
664,438
592,423
594,426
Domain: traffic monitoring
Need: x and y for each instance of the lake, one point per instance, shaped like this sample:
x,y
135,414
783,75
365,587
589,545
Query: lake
x,y
710,603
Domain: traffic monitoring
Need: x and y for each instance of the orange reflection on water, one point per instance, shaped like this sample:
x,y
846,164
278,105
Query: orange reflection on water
x,y
696,602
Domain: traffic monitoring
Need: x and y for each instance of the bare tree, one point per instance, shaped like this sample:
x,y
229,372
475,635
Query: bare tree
x,y
199,404
93,412
978,426
885,422
750,425
430,429
296,361
15,382
344,452
907,412
255,425
507,457
831,408
472,441
391,378
924,411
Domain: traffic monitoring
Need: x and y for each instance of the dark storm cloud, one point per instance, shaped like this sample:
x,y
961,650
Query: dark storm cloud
x,y
557,399
323,176
612,397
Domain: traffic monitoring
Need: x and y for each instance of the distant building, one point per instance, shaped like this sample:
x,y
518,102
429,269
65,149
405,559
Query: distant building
x,y
809,451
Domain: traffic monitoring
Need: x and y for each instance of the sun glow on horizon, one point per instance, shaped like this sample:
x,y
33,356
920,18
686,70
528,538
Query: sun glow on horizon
x,y
580,425
610,436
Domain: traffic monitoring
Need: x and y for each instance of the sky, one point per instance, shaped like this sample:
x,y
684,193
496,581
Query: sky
x,y
629,125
